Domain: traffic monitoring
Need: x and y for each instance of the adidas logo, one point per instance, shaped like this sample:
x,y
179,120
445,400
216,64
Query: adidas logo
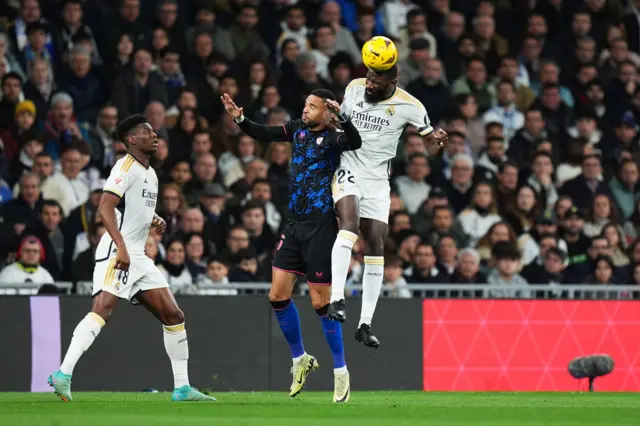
x,y
145,181
360,104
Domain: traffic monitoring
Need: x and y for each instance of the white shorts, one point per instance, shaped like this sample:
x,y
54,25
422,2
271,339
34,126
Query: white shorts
x,y
373,195
142,275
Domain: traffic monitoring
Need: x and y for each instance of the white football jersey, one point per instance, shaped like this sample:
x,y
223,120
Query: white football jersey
x,y
380,126
137,187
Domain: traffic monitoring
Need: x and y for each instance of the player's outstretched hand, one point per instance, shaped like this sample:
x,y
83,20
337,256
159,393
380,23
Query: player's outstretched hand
x,y
332,106
231,107
122,260
159,224
442,138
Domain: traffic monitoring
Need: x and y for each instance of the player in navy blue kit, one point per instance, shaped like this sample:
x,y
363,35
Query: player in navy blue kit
x,y
308,237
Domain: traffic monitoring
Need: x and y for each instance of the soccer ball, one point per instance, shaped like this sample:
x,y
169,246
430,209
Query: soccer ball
x,y
379,54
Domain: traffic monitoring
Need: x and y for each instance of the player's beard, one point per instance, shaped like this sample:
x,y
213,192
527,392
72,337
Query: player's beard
x,y
311,124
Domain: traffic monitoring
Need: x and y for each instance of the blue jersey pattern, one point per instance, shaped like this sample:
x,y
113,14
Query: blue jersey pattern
x,y
315,159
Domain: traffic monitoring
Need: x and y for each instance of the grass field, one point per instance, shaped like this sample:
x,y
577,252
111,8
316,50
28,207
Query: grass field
x,y
315,408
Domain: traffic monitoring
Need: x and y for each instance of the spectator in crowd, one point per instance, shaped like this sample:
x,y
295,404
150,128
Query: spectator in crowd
x,y
475,82
11,84
460,186
600,213
419,55
85,89
505,112
135,88
490,160
416,28
14,136
27,268
541,180
527,139
504,277
423,270
583,188
39,87
245,269
412,188
48,229
481,214
632,225
195,256
7,59
26,207
217,275
522,215
31,147
175,270
331,14
533,272
614,236
468,271
393,278
447,256
70,180
431,89
625,187
499,231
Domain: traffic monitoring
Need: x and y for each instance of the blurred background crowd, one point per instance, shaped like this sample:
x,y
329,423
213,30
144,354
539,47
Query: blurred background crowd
x,y
541,99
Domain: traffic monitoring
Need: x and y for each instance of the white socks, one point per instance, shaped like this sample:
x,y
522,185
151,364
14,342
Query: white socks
x,y
175,343
371,286
83,336
340,260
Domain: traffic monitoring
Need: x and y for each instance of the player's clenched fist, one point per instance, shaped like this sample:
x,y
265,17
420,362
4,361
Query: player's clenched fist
x,y
231,107
441,138
159,225
122,259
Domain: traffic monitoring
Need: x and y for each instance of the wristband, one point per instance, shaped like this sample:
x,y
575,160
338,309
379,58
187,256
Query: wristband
x,y
342,116
239,119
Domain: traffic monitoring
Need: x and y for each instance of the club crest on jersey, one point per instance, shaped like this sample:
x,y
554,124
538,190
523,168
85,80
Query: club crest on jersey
x,y
319,140
390,111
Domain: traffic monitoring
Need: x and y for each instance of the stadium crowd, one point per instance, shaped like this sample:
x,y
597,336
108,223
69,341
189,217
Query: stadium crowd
x,y
541,100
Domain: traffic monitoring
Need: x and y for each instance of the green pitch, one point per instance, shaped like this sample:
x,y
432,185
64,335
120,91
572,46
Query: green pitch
x,y
316,409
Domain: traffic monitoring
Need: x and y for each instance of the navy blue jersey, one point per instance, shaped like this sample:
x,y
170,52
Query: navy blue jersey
x,y
315,158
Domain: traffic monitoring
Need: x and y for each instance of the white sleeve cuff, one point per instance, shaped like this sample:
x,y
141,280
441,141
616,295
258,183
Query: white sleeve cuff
x,y
239,119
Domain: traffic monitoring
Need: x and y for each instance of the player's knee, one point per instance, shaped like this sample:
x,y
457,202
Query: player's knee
x,y
278,295
375,246
350,225
173,316
320,296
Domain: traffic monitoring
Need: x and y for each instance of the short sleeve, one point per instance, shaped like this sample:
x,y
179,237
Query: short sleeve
x,y
350,95
118,181
419,118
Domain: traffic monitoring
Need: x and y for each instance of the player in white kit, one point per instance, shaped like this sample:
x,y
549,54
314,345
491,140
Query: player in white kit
x,y
380,111
122,270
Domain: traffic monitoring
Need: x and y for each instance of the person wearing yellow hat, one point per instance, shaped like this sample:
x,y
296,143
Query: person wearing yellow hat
x,y
24,119
26,106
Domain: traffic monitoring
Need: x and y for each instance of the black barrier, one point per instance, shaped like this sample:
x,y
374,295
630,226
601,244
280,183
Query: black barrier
x,y
235,344
15,344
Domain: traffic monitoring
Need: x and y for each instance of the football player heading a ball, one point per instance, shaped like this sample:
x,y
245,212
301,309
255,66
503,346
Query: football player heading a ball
x,y
379,54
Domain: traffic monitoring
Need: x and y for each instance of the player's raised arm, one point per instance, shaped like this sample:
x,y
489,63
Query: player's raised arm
x,y
253,129
350,140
